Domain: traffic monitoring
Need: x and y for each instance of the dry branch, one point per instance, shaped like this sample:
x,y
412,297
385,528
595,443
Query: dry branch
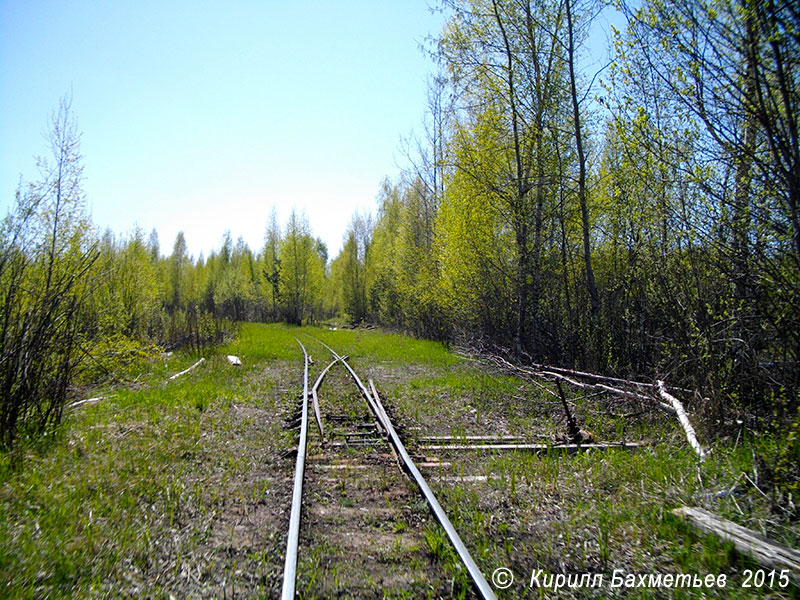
x,y
197,364
599,378
571,377
664,400
554,373
86,401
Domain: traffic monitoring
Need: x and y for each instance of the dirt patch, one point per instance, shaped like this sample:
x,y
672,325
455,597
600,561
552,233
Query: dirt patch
x,y
231,544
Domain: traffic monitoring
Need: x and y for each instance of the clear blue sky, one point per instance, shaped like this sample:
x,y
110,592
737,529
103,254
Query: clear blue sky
x,y
199,116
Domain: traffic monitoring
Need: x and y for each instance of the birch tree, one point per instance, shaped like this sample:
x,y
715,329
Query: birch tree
x,y
302,270
505,60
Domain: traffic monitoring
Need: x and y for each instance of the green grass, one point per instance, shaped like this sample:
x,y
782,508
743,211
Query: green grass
x,y
596,512
257,341
119,478
133,492
379,346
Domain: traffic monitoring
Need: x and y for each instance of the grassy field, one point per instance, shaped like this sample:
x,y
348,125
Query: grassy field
x,y
182,488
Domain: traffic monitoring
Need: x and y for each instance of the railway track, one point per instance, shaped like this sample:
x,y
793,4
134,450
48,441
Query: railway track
x,y
358,453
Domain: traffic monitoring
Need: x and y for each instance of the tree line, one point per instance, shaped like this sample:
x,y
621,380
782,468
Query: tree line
x,y
80,306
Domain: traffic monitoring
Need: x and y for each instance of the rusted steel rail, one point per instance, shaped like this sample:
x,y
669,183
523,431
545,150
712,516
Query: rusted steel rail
x,y
290,564
478,579
360,385
315,398
537,448
481,585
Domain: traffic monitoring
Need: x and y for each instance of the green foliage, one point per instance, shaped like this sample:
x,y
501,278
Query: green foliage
x,y
46,256
127,292
353,266
270,267
116,357
474,246
403,270
384,301
674,253
787,469
697,197
302,272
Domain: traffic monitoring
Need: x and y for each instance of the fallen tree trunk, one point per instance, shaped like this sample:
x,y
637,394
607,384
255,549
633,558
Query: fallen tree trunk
x,y
591,376
557,374
683,418
763,550
601,387
669,403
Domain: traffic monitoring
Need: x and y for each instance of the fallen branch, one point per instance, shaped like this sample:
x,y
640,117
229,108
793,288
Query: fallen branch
x,y
87,401
683,418
571,377
599,378
597,386
197,364
634,396
557,374
764,551
572,427
669,403
503,363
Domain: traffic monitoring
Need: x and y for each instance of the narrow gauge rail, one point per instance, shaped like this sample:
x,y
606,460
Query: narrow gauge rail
x,y
290,564
384,423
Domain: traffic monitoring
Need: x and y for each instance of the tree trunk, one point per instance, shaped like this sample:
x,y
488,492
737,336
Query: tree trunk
x,y
587,255
519,204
